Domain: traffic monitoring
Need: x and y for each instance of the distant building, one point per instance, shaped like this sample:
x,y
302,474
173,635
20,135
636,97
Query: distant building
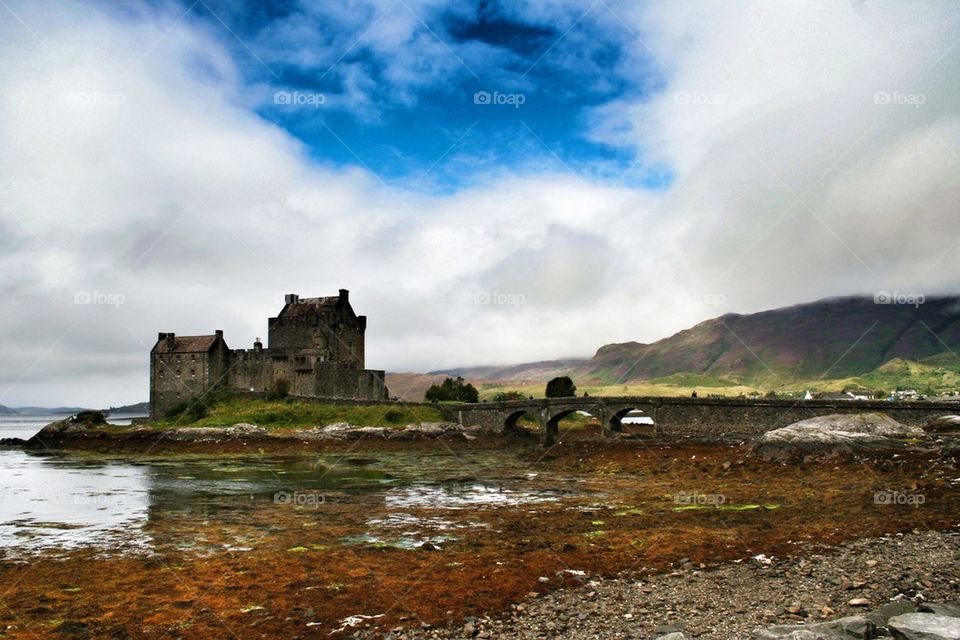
x,y
316,344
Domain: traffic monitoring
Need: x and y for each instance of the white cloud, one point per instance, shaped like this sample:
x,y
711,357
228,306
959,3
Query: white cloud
x,y
200,213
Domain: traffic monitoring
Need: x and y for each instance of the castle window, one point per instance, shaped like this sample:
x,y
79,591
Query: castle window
x,y
178,373
193,372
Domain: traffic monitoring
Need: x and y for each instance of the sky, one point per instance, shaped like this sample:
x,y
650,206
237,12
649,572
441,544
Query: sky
x,y
495,182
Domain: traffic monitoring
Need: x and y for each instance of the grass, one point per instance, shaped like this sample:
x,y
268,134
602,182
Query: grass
x,y
296,414
939,374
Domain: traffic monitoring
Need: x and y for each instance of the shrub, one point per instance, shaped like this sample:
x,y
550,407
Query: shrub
x,y
506,396
279,390
561,387
393,416
191,410
90,417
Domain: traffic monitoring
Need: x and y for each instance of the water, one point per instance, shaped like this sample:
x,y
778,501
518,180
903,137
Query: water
x,y
57,502
26,426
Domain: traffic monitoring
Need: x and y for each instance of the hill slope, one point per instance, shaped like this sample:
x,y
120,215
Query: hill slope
x,y
833,338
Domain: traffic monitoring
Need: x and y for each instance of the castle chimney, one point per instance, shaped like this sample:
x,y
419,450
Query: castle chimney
x,y
291,298
218,333
344,296
257,345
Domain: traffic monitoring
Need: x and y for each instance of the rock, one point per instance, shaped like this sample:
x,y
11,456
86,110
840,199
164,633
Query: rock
x,y
676,635
850,628
796,634
836,432
924,626
238,431
884,612
949,609
943,424
951,450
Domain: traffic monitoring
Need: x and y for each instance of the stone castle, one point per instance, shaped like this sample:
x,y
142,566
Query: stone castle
x,y
315,344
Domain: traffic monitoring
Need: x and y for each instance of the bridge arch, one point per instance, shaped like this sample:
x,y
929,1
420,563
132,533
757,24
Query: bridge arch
x,y
616,417
552,418
510,422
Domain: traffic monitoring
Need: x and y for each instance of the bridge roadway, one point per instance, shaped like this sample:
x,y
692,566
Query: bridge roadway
x,y
681,415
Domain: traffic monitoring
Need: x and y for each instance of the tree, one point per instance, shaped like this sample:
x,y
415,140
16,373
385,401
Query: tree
x,y
452,390
561,387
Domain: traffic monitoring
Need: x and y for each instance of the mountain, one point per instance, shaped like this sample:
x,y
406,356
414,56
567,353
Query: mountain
x,y
7,411
832,338
882,345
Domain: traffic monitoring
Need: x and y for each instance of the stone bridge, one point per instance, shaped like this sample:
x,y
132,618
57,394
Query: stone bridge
x,y
685,416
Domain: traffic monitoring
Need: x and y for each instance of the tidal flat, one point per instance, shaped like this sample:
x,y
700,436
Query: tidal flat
x,y
367,537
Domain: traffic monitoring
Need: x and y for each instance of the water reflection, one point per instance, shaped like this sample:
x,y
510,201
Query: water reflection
x,y
60,502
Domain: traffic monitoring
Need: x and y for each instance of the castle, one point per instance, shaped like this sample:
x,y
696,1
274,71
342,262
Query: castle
x,y
315,344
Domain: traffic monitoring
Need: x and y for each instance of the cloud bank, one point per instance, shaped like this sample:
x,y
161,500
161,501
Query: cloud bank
x,y
814,148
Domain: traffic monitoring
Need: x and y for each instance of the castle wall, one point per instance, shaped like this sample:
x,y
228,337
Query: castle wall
x,y
250,370
344,381
177,377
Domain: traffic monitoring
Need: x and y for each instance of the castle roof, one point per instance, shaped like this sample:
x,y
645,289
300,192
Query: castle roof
x,y
304,305
186,344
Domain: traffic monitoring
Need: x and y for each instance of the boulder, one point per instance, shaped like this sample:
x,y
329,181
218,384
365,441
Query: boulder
x,y
882,614
949,609
837,432
943,424
849,628
58,429
924,626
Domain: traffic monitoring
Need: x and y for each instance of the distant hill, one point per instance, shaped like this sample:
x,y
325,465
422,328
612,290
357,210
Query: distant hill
x,y
410,387
7,411
138,408
48,411
543,370
841,339
833,338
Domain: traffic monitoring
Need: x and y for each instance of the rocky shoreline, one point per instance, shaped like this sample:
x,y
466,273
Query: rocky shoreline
x,y
850,592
